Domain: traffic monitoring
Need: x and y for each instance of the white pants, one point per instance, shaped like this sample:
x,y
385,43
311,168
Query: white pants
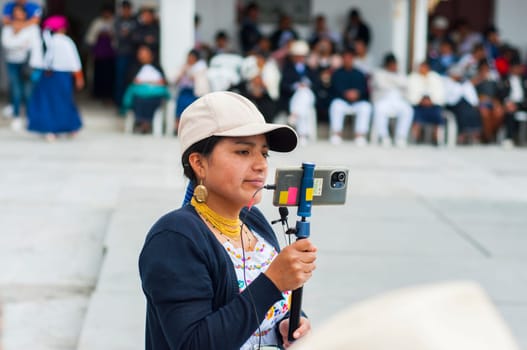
x,y
302,105
338,109
390,106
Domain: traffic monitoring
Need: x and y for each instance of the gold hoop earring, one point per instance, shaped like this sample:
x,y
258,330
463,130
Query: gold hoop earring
x,y
200,192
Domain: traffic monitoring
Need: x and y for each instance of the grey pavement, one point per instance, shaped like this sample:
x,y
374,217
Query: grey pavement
x,y
74,214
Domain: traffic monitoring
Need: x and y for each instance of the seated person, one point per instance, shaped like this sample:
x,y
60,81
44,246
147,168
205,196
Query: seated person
x,y
147,90
260,83
445,58
426,93
350,91
296,94
362,58
515,92
389,99
324,61
462,99
490,105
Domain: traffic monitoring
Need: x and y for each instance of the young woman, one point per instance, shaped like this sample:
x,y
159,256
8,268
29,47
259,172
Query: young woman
x,y
212,272
52,109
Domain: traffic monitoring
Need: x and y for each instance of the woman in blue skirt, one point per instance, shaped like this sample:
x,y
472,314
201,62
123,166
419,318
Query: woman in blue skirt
x,y
52,109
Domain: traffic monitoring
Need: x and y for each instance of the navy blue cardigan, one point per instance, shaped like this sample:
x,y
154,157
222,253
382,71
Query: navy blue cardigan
x,y
343,80
191,289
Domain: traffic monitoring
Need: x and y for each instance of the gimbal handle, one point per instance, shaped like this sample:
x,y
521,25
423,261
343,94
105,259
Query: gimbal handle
x,y
302,231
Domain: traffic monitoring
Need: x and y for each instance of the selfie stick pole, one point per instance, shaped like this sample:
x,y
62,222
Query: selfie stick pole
x,y
302,231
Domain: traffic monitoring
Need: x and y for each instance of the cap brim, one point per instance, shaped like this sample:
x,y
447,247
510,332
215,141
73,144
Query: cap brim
x,y
281,138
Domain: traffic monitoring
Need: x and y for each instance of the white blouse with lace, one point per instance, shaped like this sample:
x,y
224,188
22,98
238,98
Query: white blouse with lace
x,y
257,261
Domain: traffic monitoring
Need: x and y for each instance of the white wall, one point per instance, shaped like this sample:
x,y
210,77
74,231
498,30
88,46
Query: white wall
x,y
217,15
510,19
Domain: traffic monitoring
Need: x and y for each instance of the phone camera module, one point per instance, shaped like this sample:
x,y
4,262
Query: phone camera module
x,y
338,179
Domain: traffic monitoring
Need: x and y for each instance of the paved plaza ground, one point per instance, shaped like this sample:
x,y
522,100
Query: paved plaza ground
x,y
74,214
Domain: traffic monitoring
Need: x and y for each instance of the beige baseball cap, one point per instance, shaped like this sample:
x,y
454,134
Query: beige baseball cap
x,y
225,113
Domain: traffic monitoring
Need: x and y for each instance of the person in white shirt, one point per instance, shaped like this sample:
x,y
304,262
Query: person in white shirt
x,y
52,109
362,60
192,82
462,99
389,99
18,39
426,93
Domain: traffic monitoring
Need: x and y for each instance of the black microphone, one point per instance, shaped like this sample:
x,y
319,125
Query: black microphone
x,y
284,212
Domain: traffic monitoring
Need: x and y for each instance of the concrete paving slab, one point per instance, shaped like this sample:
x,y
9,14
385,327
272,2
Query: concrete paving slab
x,y
340,279
121,328
139,208
516,315
51,324
413,215
45,243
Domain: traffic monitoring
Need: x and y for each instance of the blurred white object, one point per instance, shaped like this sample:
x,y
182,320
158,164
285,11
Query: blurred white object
x,y
17,124
446,316
7,111
224,71
299,48
302,107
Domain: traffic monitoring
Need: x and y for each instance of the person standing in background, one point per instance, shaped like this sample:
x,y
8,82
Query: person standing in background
x,y
147,30
18,39
33,15
100,38
52,109
250,34
191,82
355,29
124,26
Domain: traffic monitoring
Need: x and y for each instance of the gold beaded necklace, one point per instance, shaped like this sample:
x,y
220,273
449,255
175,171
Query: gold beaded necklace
x,y
229,228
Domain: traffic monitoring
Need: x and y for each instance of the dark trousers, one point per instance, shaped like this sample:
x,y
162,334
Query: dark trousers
x,y
467,116
122,65
145,107
103,78
512,126
18,86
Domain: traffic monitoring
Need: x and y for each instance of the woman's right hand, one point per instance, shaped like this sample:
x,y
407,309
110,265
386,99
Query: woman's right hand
x,y
293,266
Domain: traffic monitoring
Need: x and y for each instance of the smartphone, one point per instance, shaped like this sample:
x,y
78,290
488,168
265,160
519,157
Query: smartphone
x,y
329,186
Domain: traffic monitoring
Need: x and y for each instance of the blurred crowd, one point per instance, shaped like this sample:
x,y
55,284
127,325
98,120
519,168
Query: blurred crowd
x,y
469,78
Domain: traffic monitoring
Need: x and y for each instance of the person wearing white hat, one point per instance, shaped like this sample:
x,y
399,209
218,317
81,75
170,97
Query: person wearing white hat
x,y
212,272
296,90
